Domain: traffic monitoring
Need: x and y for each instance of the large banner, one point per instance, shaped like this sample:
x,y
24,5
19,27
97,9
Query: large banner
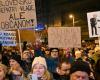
x,y
94,23
8,38
16,14
64,37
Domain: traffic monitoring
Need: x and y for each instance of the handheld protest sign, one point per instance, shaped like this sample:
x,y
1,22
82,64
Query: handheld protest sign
x,y
8,38
16,14
64,37
93,19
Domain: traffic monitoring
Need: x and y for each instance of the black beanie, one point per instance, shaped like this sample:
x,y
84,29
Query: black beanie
x,y
51,49
16,58
80,66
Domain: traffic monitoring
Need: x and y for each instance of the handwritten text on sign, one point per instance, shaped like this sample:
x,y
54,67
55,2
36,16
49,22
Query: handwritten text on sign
x,y
64,37
8,38
16,14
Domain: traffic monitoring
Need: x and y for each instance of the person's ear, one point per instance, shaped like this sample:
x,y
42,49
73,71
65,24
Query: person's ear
x,y
57,70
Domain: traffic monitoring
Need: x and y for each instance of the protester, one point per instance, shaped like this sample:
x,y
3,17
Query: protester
x,y
3,72
39,69
16,71
96,54
5,57
78,55
53,60
80,70
26,62
62,71
47,53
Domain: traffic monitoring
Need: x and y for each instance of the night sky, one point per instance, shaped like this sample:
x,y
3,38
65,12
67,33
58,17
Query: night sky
x,y
47,10
79,8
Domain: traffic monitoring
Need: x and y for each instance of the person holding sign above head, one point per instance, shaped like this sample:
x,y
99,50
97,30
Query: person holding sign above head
x,y
93,22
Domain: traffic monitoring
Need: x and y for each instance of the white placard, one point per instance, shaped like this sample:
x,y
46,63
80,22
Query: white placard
x,y
94,23
17,14
8,38
64,37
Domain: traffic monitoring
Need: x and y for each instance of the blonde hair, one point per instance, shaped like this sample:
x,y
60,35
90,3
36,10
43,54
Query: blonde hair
x,y
46,76
4,69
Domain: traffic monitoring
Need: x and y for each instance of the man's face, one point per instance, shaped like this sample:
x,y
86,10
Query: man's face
x,y
54,53
65,69
79,75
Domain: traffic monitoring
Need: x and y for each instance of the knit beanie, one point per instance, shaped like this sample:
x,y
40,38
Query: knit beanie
x,y
80,66
39,60
16,58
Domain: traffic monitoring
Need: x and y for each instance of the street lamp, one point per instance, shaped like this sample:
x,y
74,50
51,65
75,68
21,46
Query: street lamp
x,y
72,17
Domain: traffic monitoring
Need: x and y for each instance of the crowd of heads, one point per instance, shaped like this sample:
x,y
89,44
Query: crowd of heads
x,y
44,63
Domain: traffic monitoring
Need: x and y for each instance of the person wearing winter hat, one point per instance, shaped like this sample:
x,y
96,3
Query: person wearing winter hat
x,y
17,58
54,52
53,59
80,70
39,68
15,72
39,60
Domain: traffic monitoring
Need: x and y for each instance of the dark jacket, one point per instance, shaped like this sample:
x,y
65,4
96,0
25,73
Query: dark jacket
x,y
60,77
97,70
52,64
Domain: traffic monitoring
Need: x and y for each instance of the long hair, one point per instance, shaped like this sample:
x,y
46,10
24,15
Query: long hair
x,y
47,75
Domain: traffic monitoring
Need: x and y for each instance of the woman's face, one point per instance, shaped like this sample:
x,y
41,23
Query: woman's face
x,y
39,69
13,63
2,74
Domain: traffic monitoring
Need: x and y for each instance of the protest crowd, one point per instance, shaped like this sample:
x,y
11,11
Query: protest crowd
x,y
47,20
39,62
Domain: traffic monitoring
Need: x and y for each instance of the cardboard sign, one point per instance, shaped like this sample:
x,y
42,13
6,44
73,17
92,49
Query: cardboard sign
x,y
64,37
94,23
8,38
17,14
